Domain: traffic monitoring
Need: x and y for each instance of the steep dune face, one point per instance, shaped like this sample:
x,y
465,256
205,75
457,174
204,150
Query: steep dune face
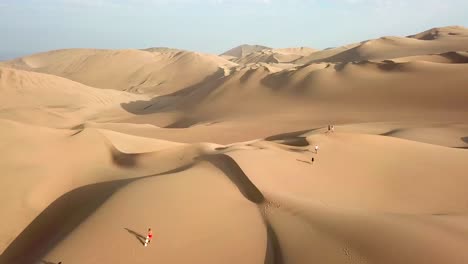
x,y
156,70
366,86
434,41
294,99
89,164
367,81
36,173
316,93
284,202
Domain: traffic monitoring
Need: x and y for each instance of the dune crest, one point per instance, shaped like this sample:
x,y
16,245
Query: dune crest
x,y
155,71
354,154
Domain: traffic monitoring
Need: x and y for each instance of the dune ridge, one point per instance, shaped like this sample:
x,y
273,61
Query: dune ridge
x,y
217,154
140,71
281,215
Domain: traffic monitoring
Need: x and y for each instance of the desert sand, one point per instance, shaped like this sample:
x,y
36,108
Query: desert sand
x,y
214,154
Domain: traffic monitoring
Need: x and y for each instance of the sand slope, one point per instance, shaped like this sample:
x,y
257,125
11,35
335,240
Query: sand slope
x,y
216,155
366,91
436,40
157,71
281,202
48,100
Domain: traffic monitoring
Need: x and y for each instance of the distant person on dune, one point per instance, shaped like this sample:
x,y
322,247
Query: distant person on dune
x,y
149,237
312,160
316,149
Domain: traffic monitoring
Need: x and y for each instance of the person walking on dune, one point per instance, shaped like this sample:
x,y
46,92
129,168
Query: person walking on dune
x,y
316,149
148,237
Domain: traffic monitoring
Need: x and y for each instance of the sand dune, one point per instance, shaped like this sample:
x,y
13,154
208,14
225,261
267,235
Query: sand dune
x,y
157,71
441,33
448,57
287,55
365,89
215,154
48,100
244,50
445,39
443,134
221,189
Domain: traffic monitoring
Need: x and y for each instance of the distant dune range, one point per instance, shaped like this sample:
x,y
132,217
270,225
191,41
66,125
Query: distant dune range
x,y
214,153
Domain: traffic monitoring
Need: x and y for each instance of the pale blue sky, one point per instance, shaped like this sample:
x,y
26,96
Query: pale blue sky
x,y
213,26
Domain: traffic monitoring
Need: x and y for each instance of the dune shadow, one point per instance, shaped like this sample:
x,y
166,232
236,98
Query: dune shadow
x,y
234,172
138,236
348,55
289,135
277,81
61,217
273,254
465,139
340,66
246,76
295,142
389,65
455,57
57,221
293,139
184,122
221,148
298,150
237,176
176,100
124,159
48,262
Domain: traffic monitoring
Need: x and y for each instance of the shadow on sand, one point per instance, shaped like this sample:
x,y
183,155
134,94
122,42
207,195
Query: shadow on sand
x,y
289,135
48,262
237,176
304,161
234,172
176,100
61,217
391,132
273,253
138,236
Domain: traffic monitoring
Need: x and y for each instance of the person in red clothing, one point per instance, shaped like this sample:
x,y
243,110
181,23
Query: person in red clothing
x,y
149,237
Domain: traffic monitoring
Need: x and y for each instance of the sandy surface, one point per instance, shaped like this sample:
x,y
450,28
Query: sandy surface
x,y
214,154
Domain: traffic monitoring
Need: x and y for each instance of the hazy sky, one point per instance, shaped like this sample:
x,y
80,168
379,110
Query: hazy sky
x,y
213,26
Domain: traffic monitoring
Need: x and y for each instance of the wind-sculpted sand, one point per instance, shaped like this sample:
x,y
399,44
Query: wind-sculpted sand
x,y
217,154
